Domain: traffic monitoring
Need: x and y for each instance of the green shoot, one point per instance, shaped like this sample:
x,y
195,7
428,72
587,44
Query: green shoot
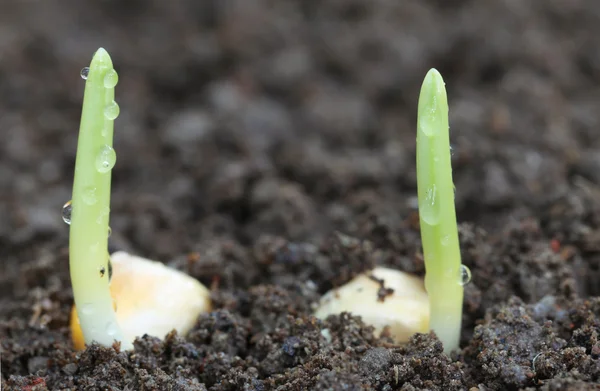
x,y
89,217
439,234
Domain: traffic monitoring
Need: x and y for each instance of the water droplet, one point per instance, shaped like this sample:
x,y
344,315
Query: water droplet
x,y
89,195
451,150
445,240
106,159
111,79
111,328
67,209
429,120
111,110
102,271
105,212
109,231
84,73
87,309
465,275
430,210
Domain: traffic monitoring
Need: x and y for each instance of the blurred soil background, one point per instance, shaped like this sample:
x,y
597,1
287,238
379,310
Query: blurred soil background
x,y
267,148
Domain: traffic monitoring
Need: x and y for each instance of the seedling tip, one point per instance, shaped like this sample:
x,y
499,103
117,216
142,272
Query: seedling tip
x,y
88,211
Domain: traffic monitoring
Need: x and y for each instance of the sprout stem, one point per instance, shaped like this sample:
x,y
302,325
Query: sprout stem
x,y
91,206
439,233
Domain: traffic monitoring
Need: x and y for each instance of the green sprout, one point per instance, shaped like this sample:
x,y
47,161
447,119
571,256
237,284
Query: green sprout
x,y
88,212
445,276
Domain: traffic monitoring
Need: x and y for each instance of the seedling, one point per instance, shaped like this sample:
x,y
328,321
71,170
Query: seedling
x,y
152,298
88,212
445,276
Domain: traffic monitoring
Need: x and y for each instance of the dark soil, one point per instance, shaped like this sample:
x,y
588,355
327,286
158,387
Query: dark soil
x,y
267,148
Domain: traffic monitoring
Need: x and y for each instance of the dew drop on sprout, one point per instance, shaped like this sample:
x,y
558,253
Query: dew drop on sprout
x,y
465,275
103,213
106,159
430,210
111,79
428,120
84,73
445,240
111,110
66,212
109,232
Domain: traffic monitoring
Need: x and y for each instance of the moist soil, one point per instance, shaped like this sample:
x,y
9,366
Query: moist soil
x,y
267,148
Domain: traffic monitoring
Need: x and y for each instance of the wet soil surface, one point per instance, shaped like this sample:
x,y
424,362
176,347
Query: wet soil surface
x,y
267,148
